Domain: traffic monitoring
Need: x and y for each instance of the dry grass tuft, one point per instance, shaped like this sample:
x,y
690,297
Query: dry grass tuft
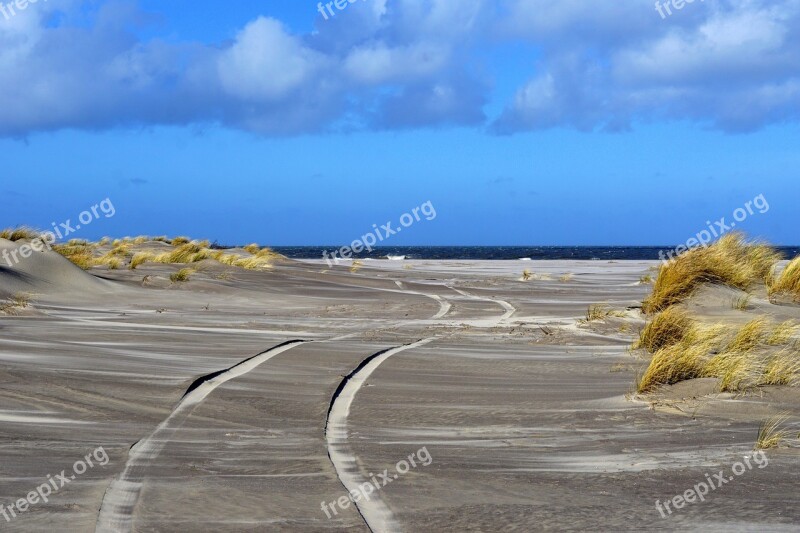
x,y
750,336
741,303
252,248
254,263
671,365
601,311
21,233
740,358
730,261
141,258
788,282
527,275
178,241
15,303
667,328
782,333
81,255
782,368
772,434
646,279
181,275
191,252
356,266
566,277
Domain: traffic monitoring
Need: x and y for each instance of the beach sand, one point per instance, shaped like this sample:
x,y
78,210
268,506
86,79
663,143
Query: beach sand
x,y
212,399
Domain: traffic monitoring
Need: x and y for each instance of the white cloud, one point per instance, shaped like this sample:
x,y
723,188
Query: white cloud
x,y
266,62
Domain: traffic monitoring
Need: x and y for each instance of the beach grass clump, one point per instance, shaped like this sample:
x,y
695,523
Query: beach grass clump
x,y
782,369
671,365
181,275
191,252
22,233
772,433
527,275
667,328
741,357
788,282
783,333
178,241
16,302
140,258
566,277
742,302
254,263
252,248
731,261
601,311
749,336
81,255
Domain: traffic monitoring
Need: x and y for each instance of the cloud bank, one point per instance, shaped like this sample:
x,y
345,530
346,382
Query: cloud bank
x,y
399,64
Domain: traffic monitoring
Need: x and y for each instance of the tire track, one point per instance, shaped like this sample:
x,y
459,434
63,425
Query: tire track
x,y
444,305
510,309
122,495
375,512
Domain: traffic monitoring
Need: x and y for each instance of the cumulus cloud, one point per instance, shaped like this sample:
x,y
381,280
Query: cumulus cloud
x,y
406,64
732,64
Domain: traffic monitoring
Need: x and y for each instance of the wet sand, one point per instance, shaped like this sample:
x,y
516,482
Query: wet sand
x,y
212,422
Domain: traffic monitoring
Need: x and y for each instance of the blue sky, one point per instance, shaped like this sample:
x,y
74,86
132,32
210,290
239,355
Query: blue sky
x,y
522,121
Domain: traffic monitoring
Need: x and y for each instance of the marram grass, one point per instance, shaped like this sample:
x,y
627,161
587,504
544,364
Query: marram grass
x,y
730,261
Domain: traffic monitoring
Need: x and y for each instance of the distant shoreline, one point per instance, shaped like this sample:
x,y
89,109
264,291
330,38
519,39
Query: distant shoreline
x,y
511,253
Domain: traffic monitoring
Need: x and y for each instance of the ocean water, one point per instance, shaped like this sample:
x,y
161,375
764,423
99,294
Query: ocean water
x,y
596,253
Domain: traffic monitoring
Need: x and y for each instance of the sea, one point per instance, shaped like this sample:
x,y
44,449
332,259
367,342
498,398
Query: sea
x,y
508,253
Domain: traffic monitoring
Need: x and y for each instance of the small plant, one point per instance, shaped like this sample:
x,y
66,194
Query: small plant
x,y
356,266
253,248
181,275
16,302
742,303
601,311
527,275
566,277
140,258
788,282
178,241
772,434
646,279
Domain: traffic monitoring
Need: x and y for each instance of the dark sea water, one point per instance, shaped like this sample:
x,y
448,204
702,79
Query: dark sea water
x,y
499,252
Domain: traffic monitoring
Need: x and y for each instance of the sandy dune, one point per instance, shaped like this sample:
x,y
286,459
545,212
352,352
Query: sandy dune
x,y
214,423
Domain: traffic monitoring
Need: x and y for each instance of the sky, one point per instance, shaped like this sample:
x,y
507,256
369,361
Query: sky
x,y
523,122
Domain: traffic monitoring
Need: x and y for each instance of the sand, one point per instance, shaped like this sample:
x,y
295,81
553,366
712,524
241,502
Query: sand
x,y
212,422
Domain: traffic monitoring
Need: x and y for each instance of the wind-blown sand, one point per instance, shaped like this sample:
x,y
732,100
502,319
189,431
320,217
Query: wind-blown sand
x,y
524,409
